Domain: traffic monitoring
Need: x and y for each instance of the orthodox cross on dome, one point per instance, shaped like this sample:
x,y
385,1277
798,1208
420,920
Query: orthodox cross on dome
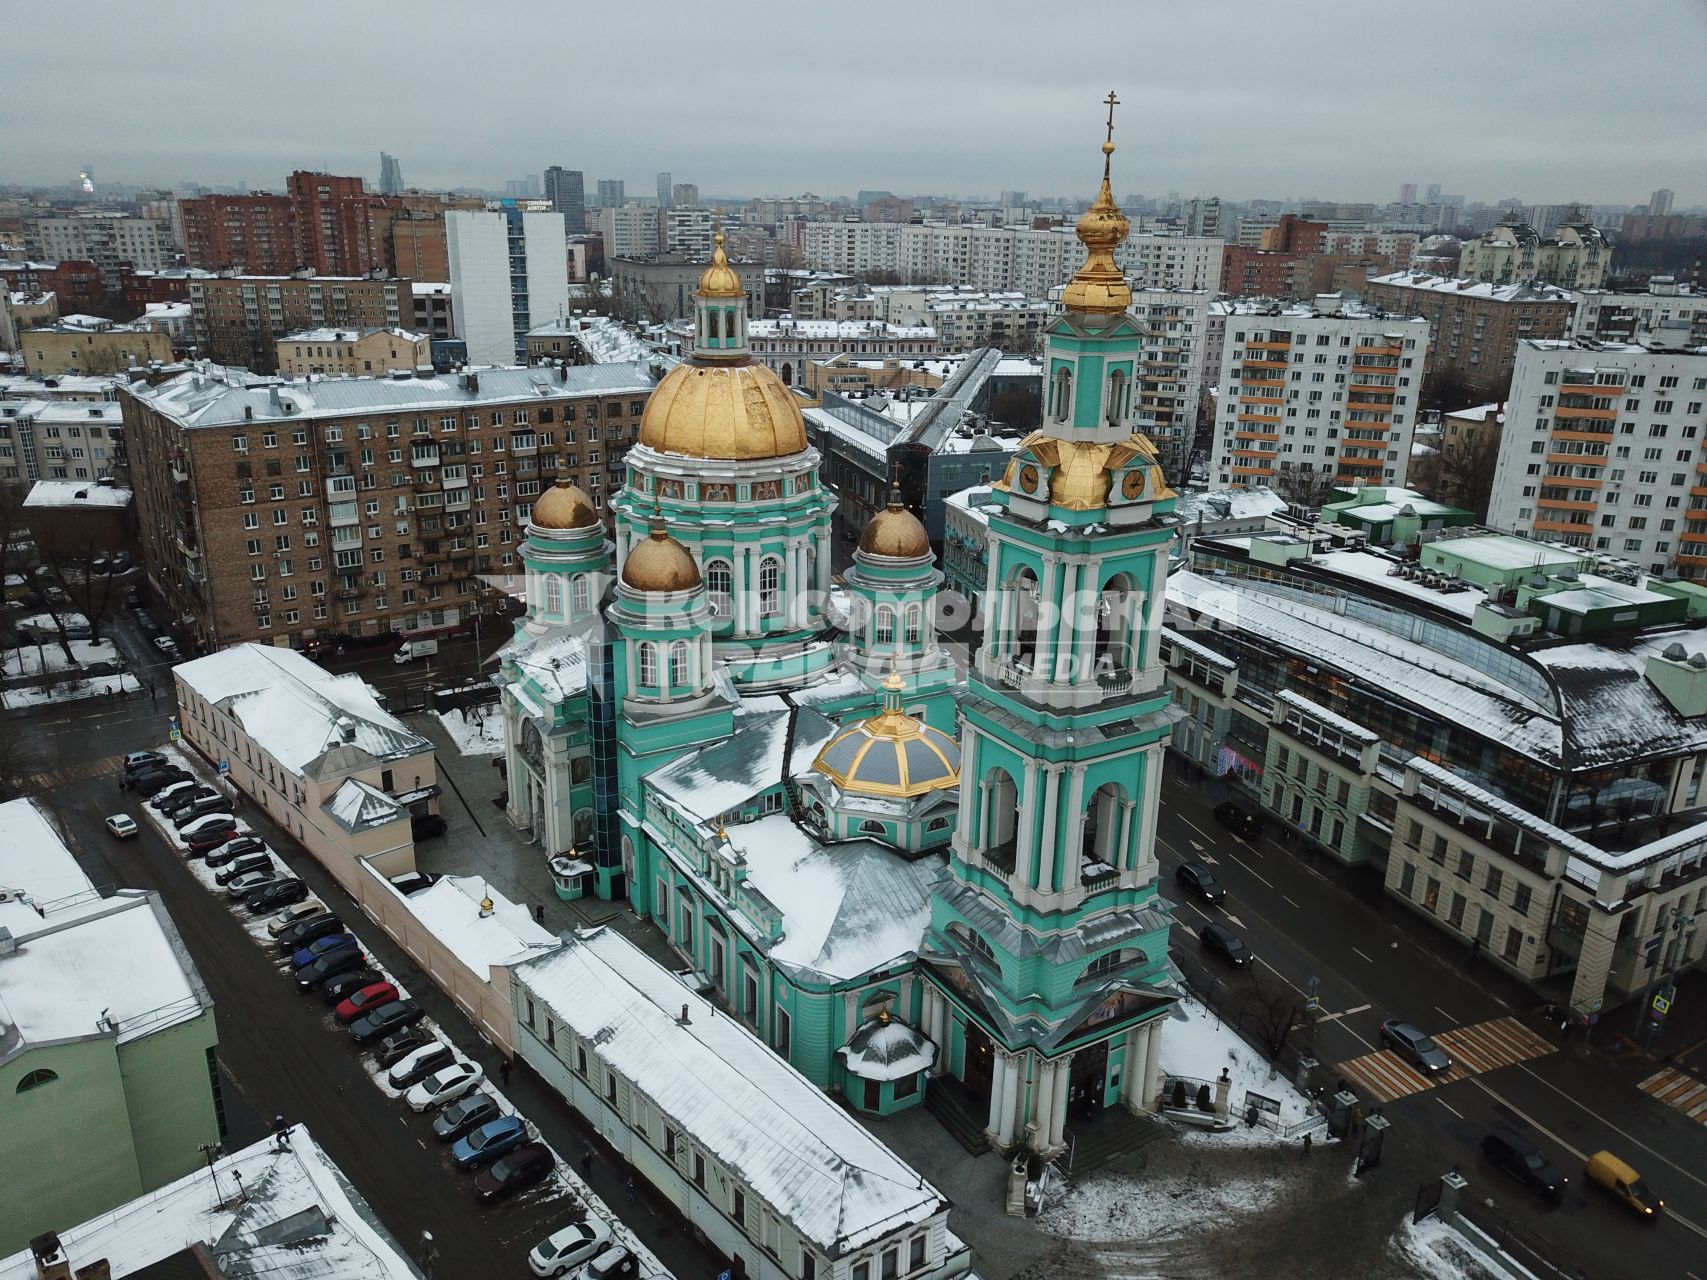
x,y
1113,102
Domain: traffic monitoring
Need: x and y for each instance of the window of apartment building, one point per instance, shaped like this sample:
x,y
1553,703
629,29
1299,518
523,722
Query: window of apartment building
x,y
1407,879
1513,944
251,520
1455,915
333,434
699,1169
860,1271
1431,895
254,546
1522,897
738,1206
270,439
1466,864
1491,885
1437,854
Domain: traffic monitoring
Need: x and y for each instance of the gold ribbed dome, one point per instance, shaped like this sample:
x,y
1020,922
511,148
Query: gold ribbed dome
x,y
897,532
720,280
564,506
1099,287
660,563
890,754
735,411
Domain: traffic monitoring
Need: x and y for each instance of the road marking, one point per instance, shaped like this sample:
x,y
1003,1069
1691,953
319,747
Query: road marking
x,y
1252,870
1362,1008
1361,954
1679,1091
1188,822
1444,1014
1294,904
1454,1110
1235,919
1194,844
1487,1046
1188,928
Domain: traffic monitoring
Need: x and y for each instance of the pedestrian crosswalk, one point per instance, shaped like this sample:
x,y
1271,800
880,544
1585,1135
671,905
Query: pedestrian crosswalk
x,y
1487,1046
1680,1091
65,775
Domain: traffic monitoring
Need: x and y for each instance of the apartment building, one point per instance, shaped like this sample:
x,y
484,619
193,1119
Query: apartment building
x,y
60,439
964,321
433,314
20,311
631,231
76,284
509,271
1328,389
353,353
322,223
1666,313
687,229
279,512
239,319
92,344
107,240
1602,449
1575,256
785,346
1475,326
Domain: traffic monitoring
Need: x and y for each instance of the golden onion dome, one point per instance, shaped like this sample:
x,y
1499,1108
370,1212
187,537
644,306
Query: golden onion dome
x,y
1099,287
660,563
720,280
564,506
896,532
733,411
891,754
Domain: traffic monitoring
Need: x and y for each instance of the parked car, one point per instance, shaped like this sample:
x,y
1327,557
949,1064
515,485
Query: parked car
x,y
200,809
168,647
151,782
309,929
447,1084
1409,1042
427,826
232,850
413,882
1523,1160
295,914
100,564
119,561
569,1247
1196,878
420,1064
311,976
178,793
1238,819
133,599
205,839
365,1000
464,1116
248,882
137,759
121,825
347,983
322,648
1226,944
275,895
146,624
387,1019
528,1164
322,947
612,1263
400,1044
489,1141
1623,1184
243,866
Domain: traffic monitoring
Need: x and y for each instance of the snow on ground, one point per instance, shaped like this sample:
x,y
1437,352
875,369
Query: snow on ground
x,y
1196,1043
70,691
1438,1251
1108,1208
482,735
29,660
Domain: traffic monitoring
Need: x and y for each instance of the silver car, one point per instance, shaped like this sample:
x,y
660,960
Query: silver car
x,y
1414,1047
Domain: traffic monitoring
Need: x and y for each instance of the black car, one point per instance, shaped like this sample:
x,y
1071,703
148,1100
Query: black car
x,y
150,781
1226,944
145,621
321,925
133,599
242,866
183,799
529,1163
399,1045
413,882
465,1115
334,990
280,893
427,826
232,850
422,1067
1194,877
386,1019
1240,820
1523,1160
311,976
182,818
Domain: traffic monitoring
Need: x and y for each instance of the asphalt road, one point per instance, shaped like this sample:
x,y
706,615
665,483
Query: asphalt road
x,y
1375,960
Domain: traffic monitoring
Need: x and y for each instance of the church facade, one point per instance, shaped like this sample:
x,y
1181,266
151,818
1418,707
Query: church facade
x,y
901,875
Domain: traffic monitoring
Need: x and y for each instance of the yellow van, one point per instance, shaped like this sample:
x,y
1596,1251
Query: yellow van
x,y
1623,1183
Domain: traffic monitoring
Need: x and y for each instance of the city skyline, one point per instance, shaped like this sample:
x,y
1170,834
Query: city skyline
x,y
1283,124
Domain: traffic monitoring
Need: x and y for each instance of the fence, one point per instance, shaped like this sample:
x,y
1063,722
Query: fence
x,y
1502,1233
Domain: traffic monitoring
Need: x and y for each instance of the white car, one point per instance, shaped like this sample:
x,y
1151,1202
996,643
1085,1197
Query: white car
x,y
208,821
293,913
570,1247
615,1263
167,646
122,825
447,1084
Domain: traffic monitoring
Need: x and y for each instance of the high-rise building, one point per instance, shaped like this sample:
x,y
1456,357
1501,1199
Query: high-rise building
x,y
1659,204
684,193
106,240
239,319
323,223
1432,195
630,231
1408,193
509,271
566,189
611,193
664,190
1203,217
390,174
1476,326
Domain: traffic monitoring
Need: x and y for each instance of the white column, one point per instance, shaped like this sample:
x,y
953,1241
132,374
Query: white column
x,y
1043,665
823,565
1152,1064
1058,1112
793,584
1146,851
1000,1091
1043,1101
1025,822
633,666
1016,1083
944,1031
1076,826
1124,842
1046,842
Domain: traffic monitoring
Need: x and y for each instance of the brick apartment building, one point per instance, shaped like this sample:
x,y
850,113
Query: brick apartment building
x,y
240,319
278,512
139,288
1475,327
323,222
1279,265
75,283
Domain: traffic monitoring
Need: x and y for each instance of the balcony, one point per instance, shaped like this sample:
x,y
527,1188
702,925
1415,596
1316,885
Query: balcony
x,y
1377,351
1573,411
1272,437
350,593
422,483
1584,460
261,606
1562,526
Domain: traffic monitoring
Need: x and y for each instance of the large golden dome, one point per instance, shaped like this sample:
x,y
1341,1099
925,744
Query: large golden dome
x,y
660,563
897,532
735,411
564,506
720,280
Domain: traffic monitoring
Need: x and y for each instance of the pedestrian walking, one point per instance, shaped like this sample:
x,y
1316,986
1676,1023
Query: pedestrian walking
x,y
504,1073
539,913
1306,1146
628,1188
586,1162
109,693
1475,951
281,1132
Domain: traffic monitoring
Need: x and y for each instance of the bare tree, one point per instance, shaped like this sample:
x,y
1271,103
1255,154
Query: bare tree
x,y
1467,471
90,592
1272,1009
1302,488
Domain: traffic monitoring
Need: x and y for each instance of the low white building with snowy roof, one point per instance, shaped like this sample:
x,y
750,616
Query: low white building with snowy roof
x,y
106,1032
1514,733
316,750
773,1172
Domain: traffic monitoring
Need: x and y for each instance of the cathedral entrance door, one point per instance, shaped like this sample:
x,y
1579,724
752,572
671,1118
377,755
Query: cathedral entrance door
x,y
1085,1083
980,1067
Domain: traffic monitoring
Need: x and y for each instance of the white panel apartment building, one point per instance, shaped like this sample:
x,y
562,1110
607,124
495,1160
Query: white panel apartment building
x,y
1602,450
106,241
1317,390
1669,313
487,313
630,231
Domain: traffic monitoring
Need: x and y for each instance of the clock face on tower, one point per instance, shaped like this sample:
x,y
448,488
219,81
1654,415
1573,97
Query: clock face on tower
x,y
1132,487
1028,478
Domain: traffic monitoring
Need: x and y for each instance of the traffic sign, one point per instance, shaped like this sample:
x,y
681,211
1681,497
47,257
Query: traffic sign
x,y
1662,1006
174,736
224,767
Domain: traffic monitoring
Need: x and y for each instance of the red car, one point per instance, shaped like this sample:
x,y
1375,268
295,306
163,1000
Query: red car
x,y
203,842
366,1000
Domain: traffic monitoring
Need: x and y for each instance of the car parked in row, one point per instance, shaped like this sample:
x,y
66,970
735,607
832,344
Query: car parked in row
x,y
200,809
365,1000
400,1044
527,1165
298,913
420,1064
151,782
203,840
335,990
387,1019
182,792
242,866
447,1084
309,929
137,759
569,1247
464,1116
1411,1044
311,976
489,1141
321,947
270,897
232,850
613,1263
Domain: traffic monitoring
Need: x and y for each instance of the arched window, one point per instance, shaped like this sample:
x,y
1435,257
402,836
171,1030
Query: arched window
x,y
647,656
972,941
731,325
1061,394
711,326
1116,396
679,662
872,827
770,587
580,594
553,594
885,632
35,1079
937,824
915,623
720,584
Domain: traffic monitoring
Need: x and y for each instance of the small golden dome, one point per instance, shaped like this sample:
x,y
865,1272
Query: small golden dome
x,y
1099,287
564,506
735,411
896,532
720,280
890,754
660,563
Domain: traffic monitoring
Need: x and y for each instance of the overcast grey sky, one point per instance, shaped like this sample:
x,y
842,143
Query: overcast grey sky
x,y
1545,101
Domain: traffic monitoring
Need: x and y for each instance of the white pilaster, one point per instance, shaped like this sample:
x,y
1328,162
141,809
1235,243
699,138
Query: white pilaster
x,y
1152,1065
1043,1101
1058,1112
1047,850
1048,612
1076,827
